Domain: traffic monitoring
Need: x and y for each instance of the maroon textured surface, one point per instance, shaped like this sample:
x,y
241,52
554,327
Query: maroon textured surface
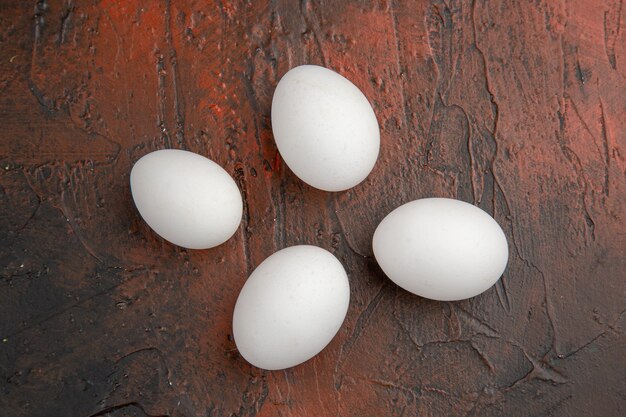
x,y
516,106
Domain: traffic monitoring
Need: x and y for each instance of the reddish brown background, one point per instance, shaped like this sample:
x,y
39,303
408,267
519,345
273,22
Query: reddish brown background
x,y
516,106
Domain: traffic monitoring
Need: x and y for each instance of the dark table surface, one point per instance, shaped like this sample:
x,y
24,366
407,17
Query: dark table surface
x,y
518,107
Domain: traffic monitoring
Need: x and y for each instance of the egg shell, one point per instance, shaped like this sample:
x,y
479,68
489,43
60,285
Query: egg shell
x,y
290,307
441,249
186,198
325,128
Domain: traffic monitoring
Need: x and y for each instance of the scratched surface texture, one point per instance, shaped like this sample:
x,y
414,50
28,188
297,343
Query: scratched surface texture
x,y
516,106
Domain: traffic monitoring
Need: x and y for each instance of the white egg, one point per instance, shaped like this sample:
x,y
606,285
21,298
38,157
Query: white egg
x,y
441,248
324,127
290,307
186,198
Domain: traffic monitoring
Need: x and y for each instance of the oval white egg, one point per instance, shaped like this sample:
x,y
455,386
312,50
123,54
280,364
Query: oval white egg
x,y
186,198
290,307
441,249
325,128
